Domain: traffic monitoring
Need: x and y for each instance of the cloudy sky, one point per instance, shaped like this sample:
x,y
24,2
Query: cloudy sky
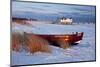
x,y
21,8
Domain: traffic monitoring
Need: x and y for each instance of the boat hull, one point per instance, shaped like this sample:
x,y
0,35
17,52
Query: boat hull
x,y
62,40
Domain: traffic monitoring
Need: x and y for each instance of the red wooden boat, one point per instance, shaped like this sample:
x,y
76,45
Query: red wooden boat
x,y
62,40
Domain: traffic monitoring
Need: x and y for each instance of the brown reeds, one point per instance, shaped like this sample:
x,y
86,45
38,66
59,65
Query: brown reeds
x,y
36,43
63,43
33,42
16,41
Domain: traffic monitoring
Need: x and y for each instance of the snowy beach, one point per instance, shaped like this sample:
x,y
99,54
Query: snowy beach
x,y
85,51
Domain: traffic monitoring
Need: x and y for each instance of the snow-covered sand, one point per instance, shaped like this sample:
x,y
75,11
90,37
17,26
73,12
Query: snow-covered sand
x,y
85,51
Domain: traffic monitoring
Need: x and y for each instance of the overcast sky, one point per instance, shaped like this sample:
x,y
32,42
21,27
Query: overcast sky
x,y
51,8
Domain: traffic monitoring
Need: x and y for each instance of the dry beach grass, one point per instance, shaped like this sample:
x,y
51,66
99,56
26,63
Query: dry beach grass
x,y
32,42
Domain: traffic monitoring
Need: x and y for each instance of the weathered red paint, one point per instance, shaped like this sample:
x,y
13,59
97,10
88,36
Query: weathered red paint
x,y
70,38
